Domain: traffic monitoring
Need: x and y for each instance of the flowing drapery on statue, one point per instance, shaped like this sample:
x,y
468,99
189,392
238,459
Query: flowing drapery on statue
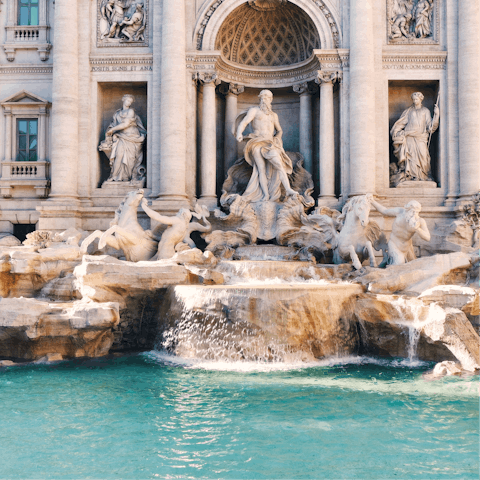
x,y
123,144
268,149
410,135
264,152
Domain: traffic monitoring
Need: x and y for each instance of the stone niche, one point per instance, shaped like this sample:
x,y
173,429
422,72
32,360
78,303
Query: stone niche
x,y
110,100
399,99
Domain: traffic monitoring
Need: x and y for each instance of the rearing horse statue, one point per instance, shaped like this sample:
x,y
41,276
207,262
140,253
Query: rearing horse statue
x,y
125,233
357,236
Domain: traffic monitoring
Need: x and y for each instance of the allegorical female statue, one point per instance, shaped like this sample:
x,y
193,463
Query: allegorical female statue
x,y
411,137
123,145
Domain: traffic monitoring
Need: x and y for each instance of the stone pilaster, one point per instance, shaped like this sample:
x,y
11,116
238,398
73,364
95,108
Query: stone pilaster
x,y
469,97
41,138
65,108
231,97
362,98
191,151
173,120
305,92
8,135
208,165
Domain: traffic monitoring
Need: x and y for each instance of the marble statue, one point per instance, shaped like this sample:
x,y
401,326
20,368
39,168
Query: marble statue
x,y
122,20
423,18
177,236
133,29
411,19
411,136
264,152
471,217
358,235
402,18
125,233
406,224
123,145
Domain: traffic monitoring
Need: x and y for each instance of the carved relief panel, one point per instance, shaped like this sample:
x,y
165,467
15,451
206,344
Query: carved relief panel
x,y
122,23
413,21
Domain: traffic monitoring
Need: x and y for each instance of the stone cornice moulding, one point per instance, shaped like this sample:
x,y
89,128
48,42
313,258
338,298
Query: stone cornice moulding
x,y
415,61
121,60
25,69
121,63
260,77
322,13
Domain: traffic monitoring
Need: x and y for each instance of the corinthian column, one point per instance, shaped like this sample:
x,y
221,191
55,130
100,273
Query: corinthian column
x,y
64,151
231,96
209,140
362,98
305,93
173,116
327,138
469,96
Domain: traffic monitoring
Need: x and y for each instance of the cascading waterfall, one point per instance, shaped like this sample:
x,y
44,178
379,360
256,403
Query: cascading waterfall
x,y
420,315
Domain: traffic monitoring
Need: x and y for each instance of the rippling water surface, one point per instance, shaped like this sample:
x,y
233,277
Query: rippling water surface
x,y
155,416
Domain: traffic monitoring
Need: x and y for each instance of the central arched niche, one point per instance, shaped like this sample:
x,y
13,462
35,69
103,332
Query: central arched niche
x,y
271,37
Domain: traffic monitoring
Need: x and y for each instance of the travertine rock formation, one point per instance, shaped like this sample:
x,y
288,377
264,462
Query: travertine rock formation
x,y
31,329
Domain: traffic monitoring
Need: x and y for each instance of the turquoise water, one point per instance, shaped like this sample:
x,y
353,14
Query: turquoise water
x,y
150,416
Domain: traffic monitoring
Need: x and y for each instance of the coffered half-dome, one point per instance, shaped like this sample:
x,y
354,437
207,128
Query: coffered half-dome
x,y
267,37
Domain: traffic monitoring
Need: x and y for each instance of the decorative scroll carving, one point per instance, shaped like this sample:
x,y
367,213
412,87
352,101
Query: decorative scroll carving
x,y
304,88
122,23
328,77
412,21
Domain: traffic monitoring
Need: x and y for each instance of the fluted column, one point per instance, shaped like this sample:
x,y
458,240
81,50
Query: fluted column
x,y
306,140
327,138
469,96
173,120
8,135
64,152
362,98
231,96
208,166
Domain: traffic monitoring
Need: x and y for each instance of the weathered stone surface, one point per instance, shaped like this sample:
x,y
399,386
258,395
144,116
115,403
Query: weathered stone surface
x,y
104,278
457,334
408,327
24,271
262,321
31,329
418,275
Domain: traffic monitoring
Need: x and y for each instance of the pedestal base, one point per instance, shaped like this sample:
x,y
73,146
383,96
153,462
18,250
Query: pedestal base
x,y
417,184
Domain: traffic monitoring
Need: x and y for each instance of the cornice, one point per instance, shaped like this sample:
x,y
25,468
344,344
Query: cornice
x,y
415,61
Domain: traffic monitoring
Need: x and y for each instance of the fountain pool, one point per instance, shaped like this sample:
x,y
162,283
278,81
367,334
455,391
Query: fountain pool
x,y
157,416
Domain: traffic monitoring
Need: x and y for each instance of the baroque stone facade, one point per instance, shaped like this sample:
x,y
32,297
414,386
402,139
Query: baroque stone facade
x,y
342,72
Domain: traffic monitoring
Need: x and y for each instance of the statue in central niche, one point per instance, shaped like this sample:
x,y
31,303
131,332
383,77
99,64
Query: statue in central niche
x,y
264,152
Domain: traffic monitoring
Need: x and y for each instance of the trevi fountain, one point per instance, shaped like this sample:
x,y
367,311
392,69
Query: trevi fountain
x,y
240,239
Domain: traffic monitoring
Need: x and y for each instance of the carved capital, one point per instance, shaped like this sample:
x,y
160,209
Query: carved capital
x,y
235,89
231,89
325,77
206,78
304,88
